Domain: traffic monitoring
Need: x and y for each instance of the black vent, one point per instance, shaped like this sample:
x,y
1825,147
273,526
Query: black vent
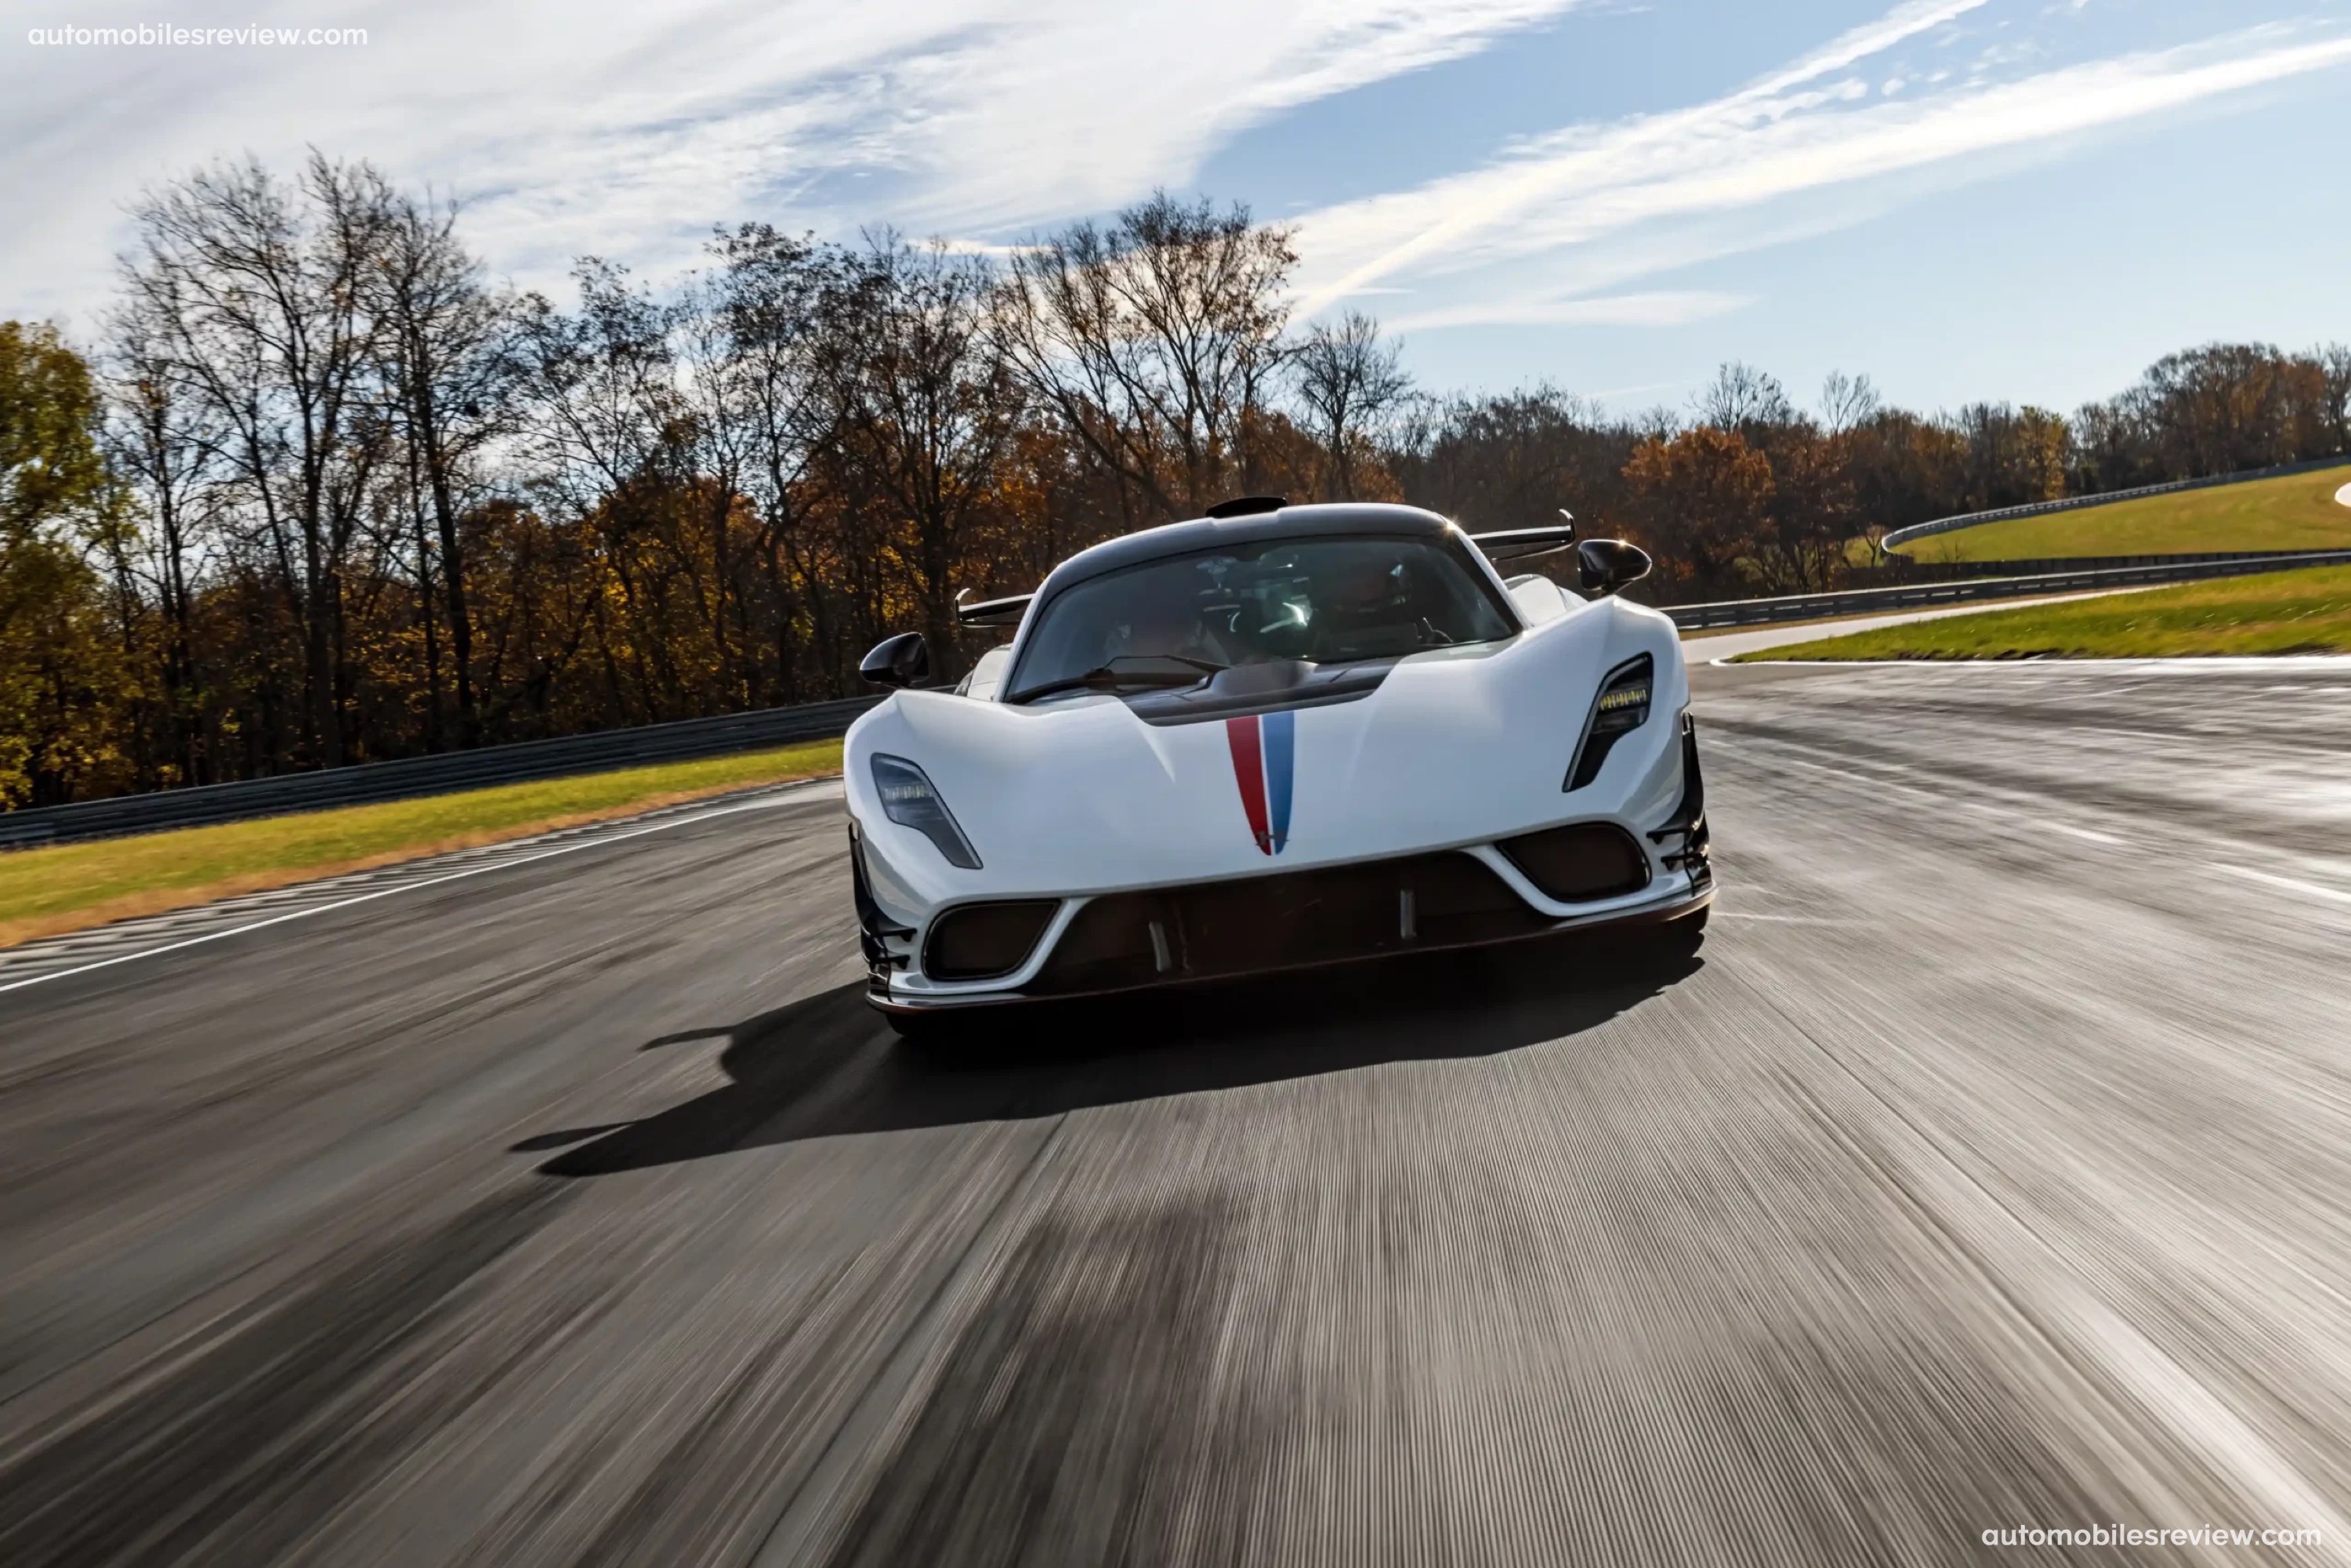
x,y
981,941
1257,925
1580,863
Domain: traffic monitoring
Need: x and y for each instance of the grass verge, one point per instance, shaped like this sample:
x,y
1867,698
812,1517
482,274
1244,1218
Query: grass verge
x,y
2306,612
2295,511
71,887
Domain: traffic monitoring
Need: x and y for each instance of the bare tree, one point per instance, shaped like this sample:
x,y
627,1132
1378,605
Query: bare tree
x,y
767,297
261,294
925,400
443,359
2334,370
163,440
1847,401
599,426
1154,342
1743,399
1350,380
720,452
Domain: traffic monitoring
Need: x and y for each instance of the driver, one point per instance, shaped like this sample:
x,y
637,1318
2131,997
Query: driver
x,y
1168,625
1368,595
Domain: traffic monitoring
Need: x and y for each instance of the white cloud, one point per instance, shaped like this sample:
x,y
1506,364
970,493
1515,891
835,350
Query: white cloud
x,y
1655,307
627,129
1385,233
1596,206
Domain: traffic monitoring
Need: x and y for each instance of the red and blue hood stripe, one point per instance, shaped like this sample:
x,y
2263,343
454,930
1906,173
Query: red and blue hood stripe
x,y
1265,751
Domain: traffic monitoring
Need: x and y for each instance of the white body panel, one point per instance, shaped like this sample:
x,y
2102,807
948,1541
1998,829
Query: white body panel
x,y
1457,748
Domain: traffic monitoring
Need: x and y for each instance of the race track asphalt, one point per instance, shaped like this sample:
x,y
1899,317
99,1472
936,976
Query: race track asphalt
x,y
1986,1168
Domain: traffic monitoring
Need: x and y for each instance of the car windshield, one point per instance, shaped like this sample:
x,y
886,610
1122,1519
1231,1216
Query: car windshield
x,y
1325,601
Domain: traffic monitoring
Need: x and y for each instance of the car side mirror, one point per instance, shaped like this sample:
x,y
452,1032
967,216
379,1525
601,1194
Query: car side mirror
x,y
1603,566
901,661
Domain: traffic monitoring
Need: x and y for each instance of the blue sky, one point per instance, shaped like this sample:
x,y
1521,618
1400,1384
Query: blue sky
x,y
2027,199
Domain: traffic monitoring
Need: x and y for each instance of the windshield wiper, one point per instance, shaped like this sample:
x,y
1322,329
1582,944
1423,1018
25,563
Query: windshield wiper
x,y
1109,677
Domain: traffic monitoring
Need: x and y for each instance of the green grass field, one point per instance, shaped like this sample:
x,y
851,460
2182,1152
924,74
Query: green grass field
x,y
45,892
2306,612
2297,512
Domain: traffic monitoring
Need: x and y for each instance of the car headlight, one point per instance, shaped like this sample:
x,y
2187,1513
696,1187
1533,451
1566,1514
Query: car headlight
x,y
1622,707
909,800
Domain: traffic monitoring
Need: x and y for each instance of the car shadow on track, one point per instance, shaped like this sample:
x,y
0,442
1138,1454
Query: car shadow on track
x,y
828,1065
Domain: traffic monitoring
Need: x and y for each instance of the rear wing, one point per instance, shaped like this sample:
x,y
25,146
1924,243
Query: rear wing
x,y
1519,544
993,612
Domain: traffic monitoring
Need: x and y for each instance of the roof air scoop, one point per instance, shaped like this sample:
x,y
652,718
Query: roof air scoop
x,y
1247,506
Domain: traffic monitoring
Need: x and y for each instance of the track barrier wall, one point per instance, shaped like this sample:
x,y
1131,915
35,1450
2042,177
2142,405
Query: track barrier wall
x,y
1901,537
1861,601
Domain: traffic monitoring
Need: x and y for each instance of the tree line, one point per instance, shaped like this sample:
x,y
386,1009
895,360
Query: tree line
x,y
320,490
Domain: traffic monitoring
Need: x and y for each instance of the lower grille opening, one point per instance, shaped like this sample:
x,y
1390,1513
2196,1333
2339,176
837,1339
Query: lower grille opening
x,y
1259,923
981,941
1580,863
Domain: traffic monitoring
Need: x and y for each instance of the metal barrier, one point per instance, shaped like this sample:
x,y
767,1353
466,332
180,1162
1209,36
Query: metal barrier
x,y
1860,601
521,762
1900,537
1900,571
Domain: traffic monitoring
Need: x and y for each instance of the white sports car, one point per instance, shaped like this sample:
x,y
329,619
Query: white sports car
x,y
1273,737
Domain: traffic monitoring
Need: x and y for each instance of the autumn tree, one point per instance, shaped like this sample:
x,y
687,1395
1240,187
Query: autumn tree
x,y
58,673
1514,460
1700,502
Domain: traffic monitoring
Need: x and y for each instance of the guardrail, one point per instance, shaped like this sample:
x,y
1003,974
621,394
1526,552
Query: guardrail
x,y
1860,601
1900,537
520,762
1900,571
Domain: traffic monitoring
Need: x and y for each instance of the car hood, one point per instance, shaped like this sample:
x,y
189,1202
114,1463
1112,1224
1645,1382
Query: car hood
x,y
1091,793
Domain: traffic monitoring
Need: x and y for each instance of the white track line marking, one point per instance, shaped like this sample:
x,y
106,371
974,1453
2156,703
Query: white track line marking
x,y
762,803
2292,884
1783,919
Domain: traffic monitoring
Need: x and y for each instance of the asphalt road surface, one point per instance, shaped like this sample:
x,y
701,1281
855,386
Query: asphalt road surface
x,y
1986,1168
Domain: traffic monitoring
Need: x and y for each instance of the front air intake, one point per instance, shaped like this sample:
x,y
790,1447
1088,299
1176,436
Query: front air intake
x,y
982,941
1580,863
1290,920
